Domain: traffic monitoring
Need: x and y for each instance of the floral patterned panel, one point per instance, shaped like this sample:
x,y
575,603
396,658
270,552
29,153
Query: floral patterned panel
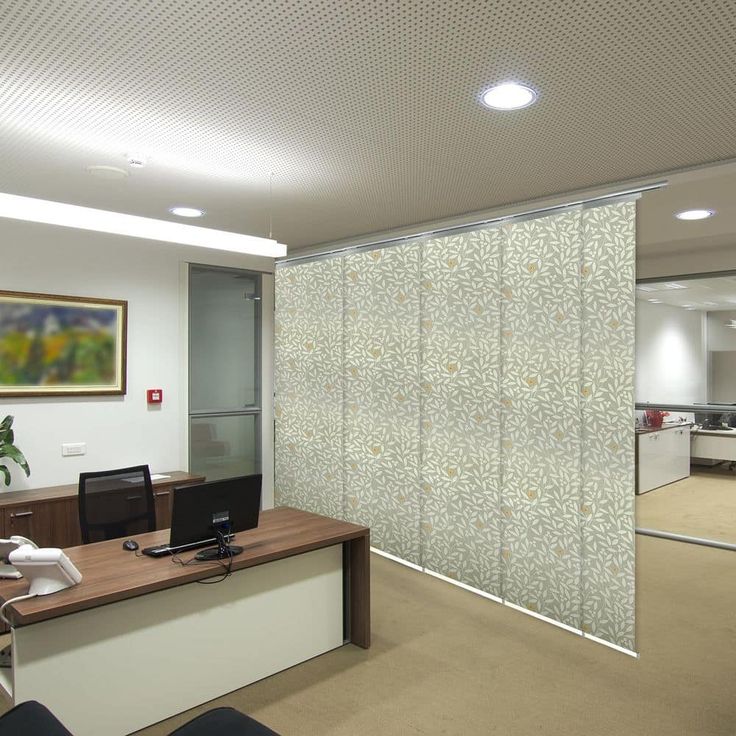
x,y
540,426
607,509
309,387
470,398
460,332
381,374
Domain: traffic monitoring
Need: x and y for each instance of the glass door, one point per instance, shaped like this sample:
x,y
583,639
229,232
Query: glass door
x,y
224,372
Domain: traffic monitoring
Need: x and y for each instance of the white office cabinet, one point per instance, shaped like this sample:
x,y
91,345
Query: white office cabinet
x,y
664,457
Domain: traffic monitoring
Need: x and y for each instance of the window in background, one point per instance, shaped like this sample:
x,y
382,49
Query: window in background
x,y
224,372
686,340
686,381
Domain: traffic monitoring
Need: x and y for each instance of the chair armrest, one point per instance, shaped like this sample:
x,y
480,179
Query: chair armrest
x,y
224,722
31,719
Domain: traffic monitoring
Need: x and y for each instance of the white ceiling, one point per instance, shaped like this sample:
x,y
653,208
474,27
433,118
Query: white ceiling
x,y
366,114
713,294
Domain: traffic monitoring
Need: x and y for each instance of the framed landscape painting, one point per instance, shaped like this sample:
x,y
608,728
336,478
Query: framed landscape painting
x,y
61,345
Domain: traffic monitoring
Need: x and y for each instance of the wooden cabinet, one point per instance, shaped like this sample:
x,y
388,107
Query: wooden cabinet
x,y
163,499
663,457
49,524
50,516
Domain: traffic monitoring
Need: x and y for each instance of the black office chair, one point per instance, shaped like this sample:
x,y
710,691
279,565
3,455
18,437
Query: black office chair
x,y
116,503
33,719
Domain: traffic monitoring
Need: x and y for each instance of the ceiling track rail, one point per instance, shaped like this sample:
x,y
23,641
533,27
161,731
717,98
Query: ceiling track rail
x,y
516,217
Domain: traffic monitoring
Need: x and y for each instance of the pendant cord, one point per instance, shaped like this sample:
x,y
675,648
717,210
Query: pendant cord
x,y
270,206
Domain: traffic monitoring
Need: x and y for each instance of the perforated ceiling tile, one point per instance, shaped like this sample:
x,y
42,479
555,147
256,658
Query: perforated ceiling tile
x,y
367,113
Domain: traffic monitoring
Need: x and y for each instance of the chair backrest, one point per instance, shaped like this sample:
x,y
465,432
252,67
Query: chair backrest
x,y
116,503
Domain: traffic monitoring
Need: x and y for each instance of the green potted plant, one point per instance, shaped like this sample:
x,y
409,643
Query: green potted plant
x,y
9,450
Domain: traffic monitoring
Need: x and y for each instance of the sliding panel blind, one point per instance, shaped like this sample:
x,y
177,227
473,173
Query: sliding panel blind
x,y
308,384
381,374
540,436
607,508
470,398
460,334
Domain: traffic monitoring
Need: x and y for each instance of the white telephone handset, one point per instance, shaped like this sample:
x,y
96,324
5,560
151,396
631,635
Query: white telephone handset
x,y
6,547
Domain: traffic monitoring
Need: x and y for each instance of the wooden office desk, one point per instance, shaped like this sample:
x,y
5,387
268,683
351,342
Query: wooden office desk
x,y
138,640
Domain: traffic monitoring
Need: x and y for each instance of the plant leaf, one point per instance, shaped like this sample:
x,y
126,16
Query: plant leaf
x,y
7,423
6,473
14,453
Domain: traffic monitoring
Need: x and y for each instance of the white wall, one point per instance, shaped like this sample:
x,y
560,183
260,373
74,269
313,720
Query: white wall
x,y
671,365
119,431
721,337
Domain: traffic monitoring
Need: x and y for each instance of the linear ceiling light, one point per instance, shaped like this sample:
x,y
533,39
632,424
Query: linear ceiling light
x,y
86,218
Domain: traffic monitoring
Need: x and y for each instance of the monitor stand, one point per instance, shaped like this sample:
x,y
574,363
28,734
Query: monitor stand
x,y
219,553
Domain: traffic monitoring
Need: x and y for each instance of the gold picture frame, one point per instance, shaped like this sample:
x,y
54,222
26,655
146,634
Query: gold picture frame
x,y
52,345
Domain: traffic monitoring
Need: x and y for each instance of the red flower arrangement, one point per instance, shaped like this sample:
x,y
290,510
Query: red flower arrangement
x,y
655,417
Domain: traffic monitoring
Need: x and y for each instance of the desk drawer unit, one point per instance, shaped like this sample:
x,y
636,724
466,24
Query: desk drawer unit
x,y
663,457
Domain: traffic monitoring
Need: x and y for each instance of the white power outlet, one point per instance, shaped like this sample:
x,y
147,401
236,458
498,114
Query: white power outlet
x,y
73,448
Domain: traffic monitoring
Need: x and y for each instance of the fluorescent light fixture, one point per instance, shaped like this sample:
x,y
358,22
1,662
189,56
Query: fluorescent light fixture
x,y
731,324
690,309
116,223
508,96
655,301
694,214
186,211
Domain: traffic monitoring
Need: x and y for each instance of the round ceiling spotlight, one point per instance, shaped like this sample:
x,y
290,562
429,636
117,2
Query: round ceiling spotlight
x,y
694,214
107,172
186,211
509,96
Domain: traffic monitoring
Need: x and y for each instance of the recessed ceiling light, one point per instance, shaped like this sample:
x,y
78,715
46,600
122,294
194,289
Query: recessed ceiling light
x,y
186,211
508,96
655,301
690,309
117,223
694,214
107,172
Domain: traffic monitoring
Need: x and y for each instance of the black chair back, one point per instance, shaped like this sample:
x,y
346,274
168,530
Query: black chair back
x,y
116,503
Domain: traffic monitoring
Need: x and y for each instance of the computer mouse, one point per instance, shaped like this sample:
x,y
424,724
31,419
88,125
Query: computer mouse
x,y
130,544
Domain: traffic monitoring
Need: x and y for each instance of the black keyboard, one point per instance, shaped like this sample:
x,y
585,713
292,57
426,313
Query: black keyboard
x,y
158,551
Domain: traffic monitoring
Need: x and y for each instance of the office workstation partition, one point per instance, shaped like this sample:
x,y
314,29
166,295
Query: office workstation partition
x,y
468,395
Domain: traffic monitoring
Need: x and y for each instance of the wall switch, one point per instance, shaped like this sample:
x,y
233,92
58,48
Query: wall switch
x,y
73,448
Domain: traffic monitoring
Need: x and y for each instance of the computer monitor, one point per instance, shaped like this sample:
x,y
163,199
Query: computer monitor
x,y
210,513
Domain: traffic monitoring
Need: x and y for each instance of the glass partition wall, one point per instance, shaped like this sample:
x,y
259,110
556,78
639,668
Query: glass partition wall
x,y
224,372
686,406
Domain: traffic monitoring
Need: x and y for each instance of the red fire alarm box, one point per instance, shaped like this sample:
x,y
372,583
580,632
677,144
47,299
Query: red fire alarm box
x,y
154,395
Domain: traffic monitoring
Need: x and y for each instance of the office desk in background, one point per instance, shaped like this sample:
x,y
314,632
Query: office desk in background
x,y
713,444
139,640
50,516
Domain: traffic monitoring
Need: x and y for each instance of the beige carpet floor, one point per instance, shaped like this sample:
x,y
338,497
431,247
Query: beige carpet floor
x,y
703,505
445,661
